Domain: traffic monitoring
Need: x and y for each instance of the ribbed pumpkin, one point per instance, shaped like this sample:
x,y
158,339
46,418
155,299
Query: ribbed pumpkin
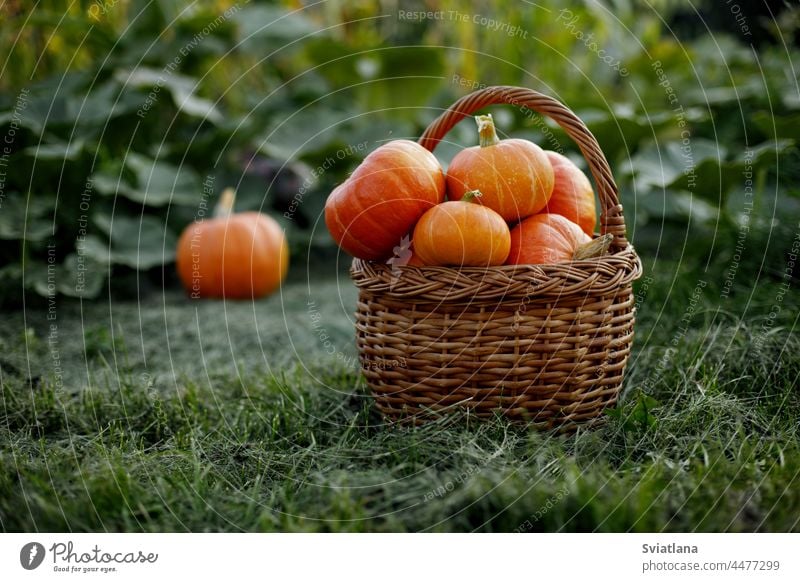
x,y
550,238
232,255
513,175
462,233
386,195
573,197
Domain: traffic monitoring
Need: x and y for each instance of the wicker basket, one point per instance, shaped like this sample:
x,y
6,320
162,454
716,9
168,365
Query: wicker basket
x,y
543,344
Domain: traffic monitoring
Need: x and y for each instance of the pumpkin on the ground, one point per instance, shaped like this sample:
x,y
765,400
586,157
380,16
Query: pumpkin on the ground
x,y
513,175
386,195
462,233
550,238
573,197
240,255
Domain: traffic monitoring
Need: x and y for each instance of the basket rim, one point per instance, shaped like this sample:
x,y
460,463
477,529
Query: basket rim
x,y
597,276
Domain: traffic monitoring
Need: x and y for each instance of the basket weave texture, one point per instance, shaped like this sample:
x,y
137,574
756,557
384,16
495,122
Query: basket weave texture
x,y
542,344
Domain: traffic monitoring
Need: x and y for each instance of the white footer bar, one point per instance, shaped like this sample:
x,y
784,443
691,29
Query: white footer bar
x,y
400,557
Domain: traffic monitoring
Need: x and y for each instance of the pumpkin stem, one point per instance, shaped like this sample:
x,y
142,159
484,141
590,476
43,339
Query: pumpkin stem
x,y
472,196
594,248
486,131
225,205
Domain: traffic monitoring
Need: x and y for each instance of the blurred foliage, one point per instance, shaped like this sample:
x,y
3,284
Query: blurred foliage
x,y
122,120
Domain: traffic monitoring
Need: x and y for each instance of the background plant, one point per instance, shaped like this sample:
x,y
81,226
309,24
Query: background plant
x,y
138,104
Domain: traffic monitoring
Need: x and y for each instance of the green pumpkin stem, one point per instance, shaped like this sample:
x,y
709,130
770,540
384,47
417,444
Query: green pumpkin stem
x,y
594,248
472,196
224,207
486,130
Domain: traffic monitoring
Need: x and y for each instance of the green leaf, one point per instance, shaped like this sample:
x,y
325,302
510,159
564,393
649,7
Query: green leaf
x,y
718,96
78,276
765,154
182,89
42,110
97,249
111,185
670,164
714,180
70,105
700,169
21,219
636,416
57,150
641,413
38,278
677,205
81,276
161,183
140,243
100,105
621,130
157,183
304,132
785,126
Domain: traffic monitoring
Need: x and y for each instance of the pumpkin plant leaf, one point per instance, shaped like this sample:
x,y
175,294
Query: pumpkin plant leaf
x,y
304,132
156,184
24,220
181,88
672,164
140,243
783,126
162,183
57,150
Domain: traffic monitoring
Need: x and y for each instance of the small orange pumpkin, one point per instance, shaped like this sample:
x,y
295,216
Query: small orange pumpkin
x,y
380,202
550,238
513,175
573,197
232,255
462,233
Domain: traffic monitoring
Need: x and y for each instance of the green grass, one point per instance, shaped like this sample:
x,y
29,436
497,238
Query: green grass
x,y
203,416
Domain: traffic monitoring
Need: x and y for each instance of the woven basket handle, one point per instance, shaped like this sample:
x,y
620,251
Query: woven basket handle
x,y
611,218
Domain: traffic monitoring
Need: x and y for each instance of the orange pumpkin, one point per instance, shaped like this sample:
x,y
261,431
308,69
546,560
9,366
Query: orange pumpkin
x,y
385,196
550,238
513,175
232,255
573,197
462,233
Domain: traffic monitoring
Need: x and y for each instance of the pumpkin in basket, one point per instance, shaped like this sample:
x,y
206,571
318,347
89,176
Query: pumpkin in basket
x,y
514,175
573,197
385,196
462,233
550,238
